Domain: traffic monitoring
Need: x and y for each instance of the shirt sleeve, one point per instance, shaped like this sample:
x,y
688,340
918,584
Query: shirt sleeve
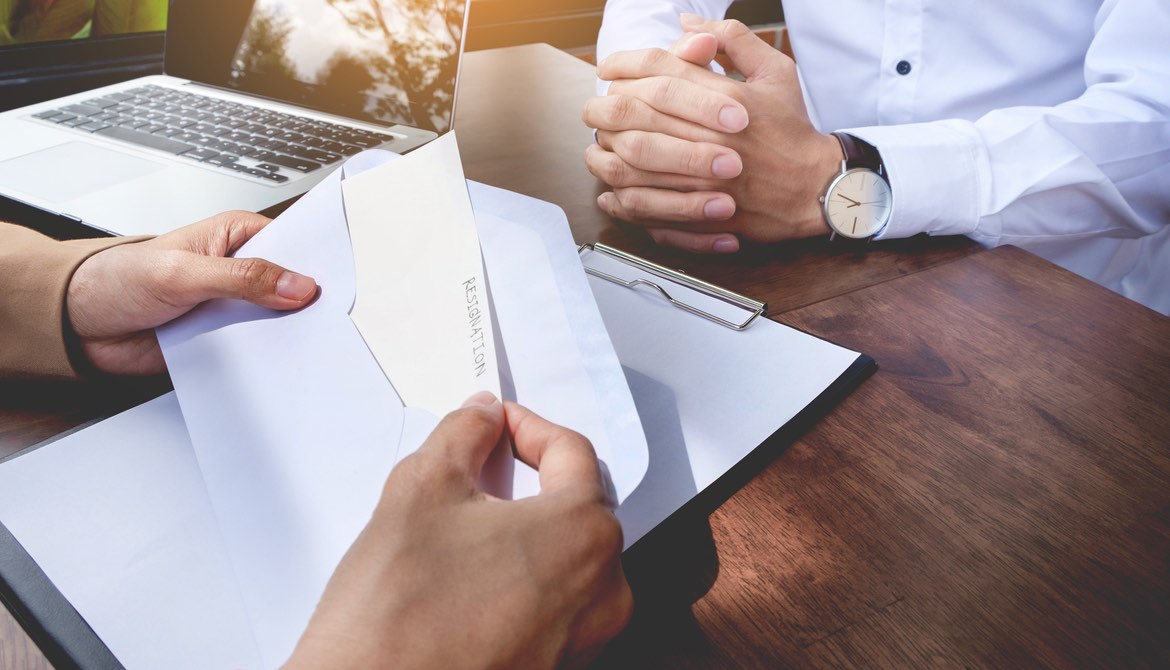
x,y
1094,166
35,272
645,24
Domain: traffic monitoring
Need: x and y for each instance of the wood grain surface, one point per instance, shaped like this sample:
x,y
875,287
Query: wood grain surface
x,y
995,496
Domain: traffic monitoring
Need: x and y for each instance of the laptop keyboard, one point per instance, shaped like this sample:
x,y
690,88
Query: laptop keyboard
x,y
248,140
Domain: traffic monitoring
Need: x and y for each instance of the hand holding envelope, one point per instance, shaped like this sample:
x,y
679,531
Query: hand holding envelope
x,y
293,422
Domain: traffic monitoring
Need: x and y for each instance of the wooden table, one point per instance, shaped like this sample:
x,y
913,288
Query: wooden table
x,y
997,495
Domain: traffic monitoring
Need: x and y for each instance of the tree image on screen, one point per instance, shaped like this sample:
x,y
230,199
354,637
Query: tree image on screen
x,y
43,20
391,61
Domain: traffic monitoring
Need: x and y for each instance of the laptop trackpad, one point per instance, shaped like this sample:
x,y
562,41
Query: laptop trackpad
x,y
71,170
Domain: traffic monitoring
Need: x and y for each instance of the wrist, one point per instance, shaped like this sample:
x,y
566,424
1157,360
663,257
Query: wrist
x,y
825,164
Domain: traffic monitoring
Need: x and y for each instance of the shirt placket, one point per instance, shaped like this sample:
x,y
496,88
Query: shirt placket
x,y
902,61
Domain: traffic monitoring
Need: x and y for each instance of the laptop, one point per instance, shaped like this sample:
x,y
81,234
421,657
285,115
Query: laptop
x,y
258,101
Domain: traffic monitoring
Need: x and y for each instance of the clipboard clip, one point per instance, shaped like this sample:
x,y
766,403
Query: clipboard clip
x,y
754,308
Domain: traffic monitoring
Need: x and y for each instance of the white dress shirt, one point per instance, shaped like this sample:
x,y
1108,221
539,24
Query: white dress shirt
x,y
1040,124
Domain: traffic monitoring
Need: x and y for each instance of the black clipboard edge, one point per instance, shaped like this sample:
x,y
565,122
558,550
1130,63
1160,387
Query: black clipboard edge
x,y
641,557
62,635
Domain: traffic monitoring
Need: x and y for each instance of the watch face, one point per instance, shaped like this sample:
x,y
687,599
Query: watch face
x,y
859,203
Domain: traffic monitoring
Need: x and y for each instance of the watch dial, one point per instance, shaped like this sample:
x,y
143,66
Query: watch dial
x,y
859,203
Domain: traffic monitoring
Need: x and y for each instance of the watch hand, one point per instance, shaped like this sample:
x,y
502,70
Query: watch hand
x,y
855,203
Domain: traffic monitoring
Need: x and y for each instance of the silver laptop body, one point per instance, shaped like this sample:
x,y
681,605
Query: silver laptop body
x,y
260,101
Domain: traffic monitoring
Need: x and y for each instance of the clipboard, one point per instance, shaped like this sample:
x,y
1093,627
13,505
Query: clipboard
x,y
640,302
736,320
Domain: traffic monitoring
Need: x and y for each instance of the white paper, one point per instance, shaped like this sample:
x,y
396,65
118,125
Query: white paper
x,y
708,395
422,302
117,517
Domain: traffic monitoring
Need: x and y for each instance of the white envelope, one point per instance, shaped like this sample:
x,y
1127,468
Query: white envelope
x,y
295,427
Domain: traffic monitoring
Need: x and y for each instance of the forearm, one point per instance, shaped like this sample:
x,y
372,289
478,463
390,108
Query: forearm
x,y
34,274
1095,166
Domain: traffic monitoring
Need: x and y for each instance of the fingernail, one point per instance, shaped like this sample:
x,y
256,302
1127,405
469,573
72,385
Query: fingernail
x,y
686,18
733,118
605,200
726,166
725,245
481,399
293,286
718,208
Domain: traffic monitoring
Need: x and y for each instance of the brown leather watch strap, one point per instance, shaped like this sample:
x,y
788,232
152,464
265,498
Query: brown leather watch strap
x,y
860,154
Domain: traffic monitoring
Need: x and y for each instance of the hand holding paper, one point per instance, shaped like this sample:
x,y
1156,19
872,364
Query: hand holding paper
x,y
431,515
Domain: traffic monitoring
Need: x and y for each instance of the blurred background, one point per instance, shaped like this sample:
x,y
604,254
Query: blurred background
x,y
130,34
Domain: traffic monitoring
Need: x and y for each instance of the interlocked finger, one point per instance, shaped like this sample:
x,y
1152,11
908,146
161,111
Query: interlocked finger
x,y
684,99
642,63
658,152
617,112
657,206
611,169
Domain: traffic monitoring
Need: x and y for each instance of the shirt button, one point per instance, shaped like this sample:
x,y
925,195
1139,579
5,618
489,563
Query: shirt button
x,y
903,67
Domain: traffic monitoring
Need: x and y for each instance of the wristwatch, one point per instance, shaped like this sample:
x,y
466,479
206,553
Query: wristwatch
x,y
858,202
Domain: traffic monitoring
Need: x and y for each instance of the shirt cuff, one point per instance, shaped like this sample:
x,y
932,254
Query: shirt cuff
x,y
937,172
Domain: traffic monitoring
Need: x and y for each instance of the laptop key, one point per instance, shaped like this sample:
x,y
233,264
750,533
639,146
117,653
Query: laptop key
x,y
222,160
255,154
144,139
298,164
101,103
268,167
363,142
76,121
82,110
314,155
274,177
200,154
46,115
94,126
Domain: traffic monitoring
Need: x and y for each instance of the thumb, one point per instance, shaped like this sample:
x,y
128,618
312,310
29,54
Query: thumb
x,y
752,56
463,440
696,48
253,279
564,458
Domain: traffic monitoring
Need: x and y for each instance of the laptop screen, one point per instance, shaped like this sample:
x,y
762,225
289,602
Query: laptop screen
x,y
385,61
28,21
